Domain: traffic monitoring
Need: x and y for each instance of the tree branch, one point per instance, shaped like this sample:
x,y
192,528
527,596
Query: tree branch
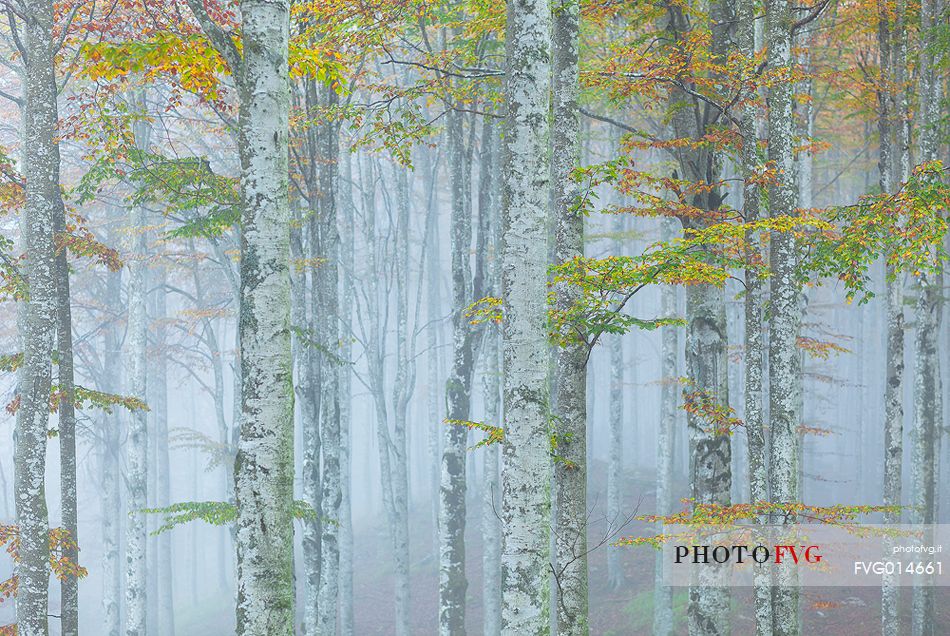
x,y
219,38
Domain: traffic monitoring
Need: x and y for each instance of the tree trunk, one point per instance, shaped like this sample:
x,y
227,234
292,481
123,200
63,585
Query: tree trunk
x,y
458,389
346,384
312,365
710,451
570,397
928,408
137,444
663,594
491,503
754,426
785,374
436,387
526,498
36,322
69,601
491,528
402,391
109,461
159,409
889,127
615,464
263,470
330,417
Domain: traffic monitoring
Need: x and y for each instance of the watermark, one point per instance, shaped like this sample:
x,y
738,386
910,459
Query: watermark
x,y
806,555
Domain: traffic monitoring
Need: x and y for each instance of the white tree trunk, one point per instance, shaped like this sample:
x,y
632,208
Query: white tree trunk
x,y
663,594
159,408
36,323
331,477
69,586
109,462
491,528
346,384
137,444
525,492
615,576
491,484
710,451
570,399
928,407
785,374
890,125
754,426
263,473
452,490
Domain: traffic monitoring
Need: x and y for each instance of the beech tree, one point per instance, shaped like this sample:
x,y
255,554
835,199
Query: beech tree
x,y
37,318
525,191
263,471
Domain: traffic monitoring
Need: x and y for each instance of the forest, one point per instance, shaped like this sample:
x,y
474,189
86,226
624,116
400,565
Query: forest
x,y
392,317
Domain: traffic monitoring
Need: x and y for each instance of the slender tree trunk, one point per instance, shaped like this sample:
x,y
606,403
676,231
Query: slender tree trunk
x,y
663,594
458,388
436,396
754,426
526,498
36,322
928,408
491,528
311,369
137,444
109,462
570,397
330,417
890,126
69,603
491,485
402,392
159,409
615,463
346,383
785,374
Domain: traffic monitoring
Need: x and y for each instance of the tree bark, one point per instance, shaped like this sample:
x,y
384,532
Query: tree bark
x,y
331,477
525,493
346,390
570,399
785,373
109,459
491,528
663,594
928,407
890,127
36,322
710,450
754,298
263,469
491,504
137,444
69,586
458,390
158,389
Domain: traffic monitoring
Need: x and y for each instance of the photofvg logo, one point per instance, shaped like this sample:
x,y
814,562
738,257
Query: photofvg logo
x,y
826,555
740,554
